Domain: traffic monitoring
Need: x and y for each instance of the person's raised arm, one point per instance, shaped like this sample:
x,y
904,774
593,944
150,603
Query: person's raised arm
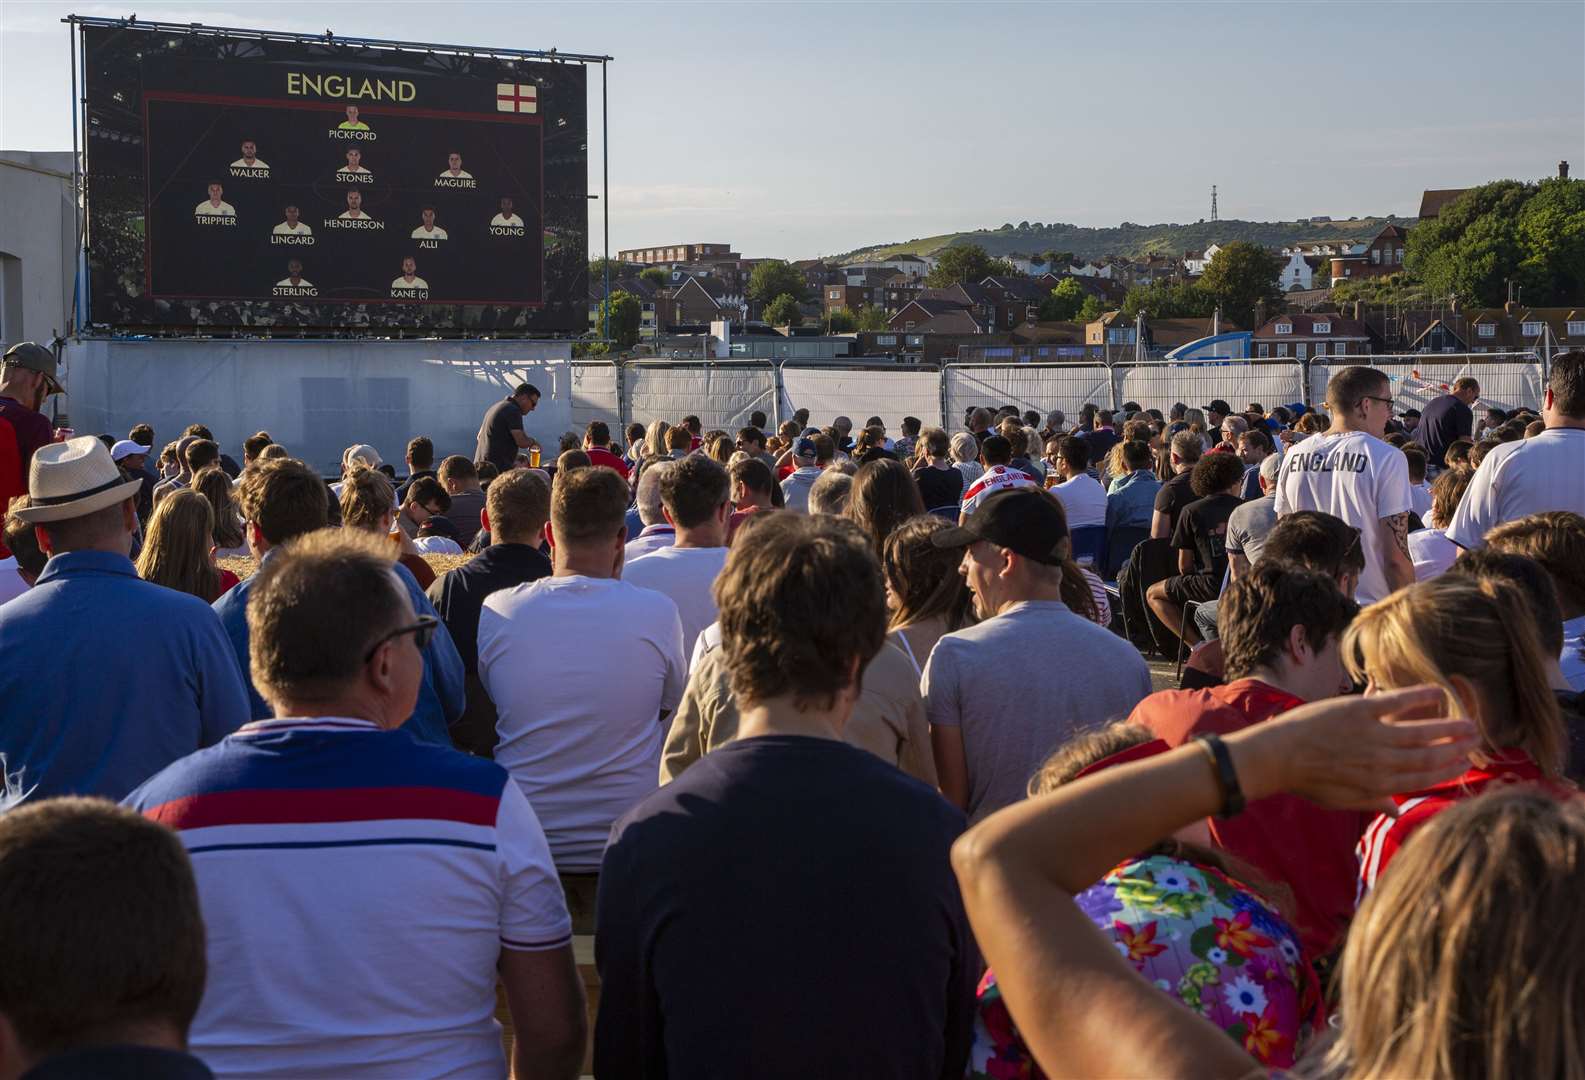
x,y
1081,1008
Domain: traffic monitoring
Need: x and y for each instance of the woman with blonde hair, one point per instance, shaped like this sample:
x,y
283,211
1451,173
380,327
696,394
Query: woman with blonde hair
x,y
965,451
179,548
925,594
368,502
1476,639
231,542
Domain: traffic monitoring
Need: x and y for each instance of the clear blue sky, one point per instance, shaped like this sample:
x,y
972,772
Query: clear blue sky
x,y
795,130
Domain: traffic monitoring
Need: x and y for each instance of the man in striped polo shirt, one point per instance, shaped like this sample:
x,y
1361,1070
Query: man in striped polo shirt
x,y
362,888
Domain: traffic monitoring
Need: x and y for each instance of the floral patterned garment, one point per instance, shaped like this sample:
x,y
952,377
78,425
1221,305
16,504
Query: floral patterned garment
x,y
1209,941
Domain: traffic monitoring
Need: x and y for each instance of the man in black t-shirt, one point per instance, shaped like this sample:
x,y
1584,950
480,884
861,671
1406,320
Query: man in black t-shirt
x,y
1200,538
1177,492
1447,419
501,435
786,907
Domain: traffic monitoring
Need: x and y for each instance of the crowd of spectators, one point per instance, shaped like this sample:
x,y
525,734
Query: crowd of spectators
x,y
842,750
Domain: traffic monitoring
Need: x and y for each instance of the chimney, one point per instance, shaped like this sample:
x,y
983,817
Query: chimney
x,y
1511,307
1260,314
1562,170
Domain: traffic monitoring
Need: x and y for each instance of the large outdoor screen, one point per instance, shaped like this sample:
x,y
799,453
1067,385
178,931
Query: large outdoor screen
x,y
244,183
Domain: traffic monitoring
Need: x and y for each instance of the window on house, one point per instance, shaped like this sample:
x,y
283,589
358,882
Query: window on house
x,y
1265,350
1576,327
1397,256
1323,327
1375,256
1282,348
1283,328
1530,329
908,326
1301,350
1486,330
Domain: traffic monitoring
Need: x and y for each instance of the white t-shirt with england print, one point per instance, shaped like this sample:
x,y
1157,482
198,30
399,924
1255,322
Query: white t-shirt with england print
x,y
1354,476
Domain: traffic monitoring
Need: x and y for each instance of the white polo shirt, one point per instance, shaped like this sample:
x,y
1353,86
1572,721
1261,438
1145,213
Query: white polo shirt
x,y
1084,500
1545,472
580,670
1354,476
685,575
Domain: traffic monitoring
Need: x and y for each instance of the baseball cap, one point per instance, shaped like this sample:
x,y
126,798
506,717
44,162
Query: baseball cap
x,y
126,448
35,357
804,448
1220,406
1024,520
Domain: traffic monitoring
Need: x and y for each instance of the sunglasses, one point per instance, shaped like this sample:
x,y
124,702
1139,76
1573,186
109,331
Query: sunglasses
x,y
423,630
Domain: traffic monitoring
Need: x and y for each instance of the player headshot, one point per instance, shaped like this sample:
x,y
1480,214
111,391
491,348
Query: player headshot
x,y
354,208
506,217
454,167
294,277
292,226
352,123
409,279
215,206
354,165
429,230
250,157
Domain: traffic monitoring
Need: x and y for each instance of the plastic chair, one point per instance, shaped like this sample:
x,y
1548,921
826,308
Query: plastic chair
x,y
1089,546
1120,544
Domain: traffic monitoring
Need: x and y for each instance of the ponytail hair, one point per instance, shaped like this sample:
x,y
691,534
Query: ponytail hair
x,y
1481,630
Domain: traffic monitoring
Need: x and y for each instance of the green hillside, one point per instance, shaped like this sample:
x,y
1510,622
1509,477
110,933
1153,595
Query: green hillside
x,y
1131,239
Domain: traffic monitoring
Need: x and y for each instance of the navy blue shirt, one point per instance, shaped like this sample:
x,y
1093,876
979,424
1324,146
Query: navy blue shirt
x,y
120,1063
1444,421
440,697
785,908
459,595
107,678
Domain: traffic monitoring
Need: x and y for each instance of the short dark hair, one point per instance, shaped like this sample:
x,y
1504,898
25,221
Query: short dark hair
x,y
1260,438
421,452
1137,455
800,599
752,434
104,936
693,489
996,450
597,433
589,504
316,608
426,490
825,448
758,419
199,431
254,444
201,452
1215,473
1532,580
526,388
911,425
1567,383
1317,540
1353,385
142,434
518,505
284,498
459,468
754,475
692,424
1260,608
1417,463
937,442
1074,452
571,461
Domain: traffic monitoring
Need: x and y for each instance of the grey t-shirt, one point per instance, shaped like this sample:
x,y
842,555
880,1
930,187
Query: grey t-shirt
x,y
1021,684
1249,526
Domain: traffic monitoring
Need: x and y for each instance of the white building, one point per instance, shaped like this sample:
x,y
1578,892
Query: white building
x,y
37,245
1295,274
913,267
1195,264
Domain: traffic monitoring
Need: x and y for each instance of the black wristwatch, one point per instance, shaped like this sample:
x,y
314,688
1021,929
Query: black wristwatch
x,y
1226,775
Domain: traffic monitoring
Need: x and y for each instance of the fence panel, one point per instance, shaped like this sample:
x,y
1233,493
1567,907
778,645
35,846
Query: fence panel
x,y
1507,381
891,393
1041,387
721,394
592,393
1238,382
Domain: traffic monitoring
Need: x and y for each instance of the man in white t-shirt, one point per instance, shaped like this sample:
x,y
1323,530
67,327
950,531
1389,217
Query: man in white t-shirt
x,y
1545,472
250,157
506,216
215,206
363,890
695,495
584,669
1349,472
293,225
428,230
1082,496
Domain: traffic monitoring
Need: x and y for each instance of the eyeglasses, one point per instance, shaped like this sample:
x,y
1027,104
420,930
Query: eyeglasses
x,y
1387,401
423,630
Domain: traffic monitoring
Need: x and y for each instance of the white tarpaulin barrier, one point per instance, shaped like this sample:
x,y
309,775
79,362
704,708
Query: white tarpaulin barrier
x,y
890,393
1041,387
1197,383
315,397
721,394
593,389
1417,380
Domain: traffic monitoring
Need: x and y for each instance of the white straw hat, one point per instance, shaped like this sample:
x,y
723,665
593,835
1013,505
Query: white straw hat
x,y
73,479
